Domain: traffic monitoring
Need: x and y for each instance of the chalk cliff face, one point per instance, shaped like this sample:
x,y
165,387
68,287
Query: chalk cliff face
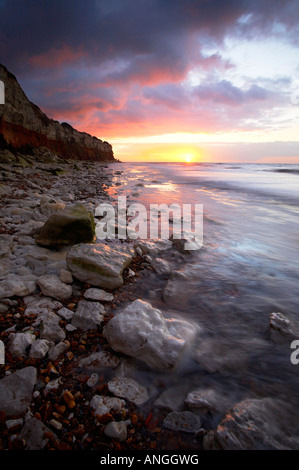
x,y
23,127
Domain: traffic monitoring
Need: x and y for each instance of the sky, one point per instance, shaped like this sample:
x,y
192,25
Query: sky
x,y
163,80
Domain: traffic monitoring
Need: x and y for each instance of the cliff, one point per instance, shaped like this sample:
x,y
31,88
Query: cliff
x,y
24,127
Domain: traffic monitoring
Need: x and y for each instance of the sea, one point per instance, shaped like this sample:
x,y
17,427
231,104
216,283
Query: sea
x,y
247,269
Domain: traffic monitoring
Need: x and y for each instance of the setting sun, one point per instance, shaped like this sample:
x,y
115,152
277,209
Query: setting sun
x,y
188,157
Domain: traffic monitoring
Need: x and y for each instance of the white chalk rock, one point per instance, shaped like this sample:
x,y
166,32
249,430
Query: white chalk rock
x,y
129,389
88,315
100,359
98,294
99,264
39,349
103,405
51,286
117,430
19,343
142,332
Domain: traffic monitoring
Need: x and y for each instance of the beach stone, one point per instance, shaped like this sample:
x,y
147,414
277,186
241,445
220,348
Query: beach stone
x,y
50,328
189,242
39,349
72,225
16,391
103,405
65,276
254,424
52,385
51,286
14,285
142,332
65,313
13,423
129,389
100,359
203,400
98,264
88,315
181,286
173,398
19,342
117,430
182,421
58,349
6,244
33,434
98,294
93,380
152,247
161,266
40,305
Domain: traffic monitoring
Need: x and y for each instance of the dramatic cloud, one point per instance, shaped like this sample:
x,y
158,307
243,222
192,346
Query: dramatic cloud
x,y
145,67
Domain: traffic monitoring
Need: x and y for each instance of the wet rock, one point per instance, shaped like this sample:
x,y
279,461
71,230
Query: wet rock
x,y
117,430
88,315
188,242
152,247
173,398
142,332
20,343
182,421
52,286
98,294
203,400
16,391
72,225
279,323
161,266
34,435
254,424
98,360
99,264
103,405
215,355
129,389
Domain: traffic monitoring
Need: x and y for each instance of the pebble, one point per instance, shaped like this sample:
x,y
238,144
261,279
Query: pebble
x,y
69,399
98,294
93,380
55,424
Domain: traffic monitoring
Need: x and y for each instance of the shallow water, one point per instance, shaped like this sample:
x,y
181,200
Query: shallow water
x,y
246,269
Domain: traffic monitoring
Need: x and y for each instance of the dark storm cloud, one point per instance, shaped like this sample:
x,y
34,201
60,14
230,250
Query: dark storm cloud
x,y
120,56
122,29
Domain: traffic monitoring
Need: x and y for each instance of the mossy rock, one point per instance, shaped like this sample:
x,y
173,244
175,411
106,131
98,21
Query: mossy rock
x,y
7,157
72,225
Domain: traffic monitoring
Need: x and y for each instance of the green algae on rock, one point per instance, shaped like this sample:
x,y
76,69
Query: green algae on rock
x,y
99,264
72,225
